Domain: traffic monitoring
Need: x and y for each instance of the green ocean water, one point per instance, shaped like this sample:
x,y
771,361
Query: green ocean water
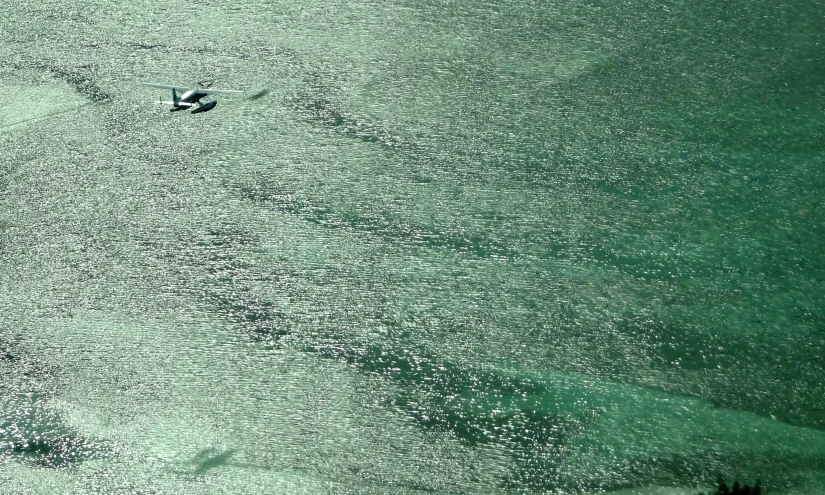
x,y
434,247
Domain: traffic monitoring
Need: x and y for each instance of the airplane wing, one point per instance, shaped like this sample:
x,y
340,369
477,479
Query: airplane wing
x,y
201,91
217,91
180,89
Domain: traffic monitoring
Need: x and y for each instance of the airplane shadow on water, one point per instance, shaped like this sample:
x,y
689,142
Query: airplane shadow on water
x,y
211,458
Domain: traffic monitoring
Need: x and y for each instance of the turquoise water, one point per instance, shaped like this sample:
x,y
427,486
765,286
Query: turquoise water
x,y
521,247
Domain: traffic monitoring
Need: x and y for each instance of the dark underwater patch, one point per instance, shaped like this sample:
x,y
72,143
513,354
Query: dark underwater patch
x,y
224,287
78,78
53,451
321,111
144,46
317,106
675,347
29,430
260,319
83,85
443,397
382,225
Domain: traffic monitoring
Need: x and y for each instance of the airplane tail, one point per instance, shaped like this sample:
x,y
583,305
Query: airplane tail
x,y
175,98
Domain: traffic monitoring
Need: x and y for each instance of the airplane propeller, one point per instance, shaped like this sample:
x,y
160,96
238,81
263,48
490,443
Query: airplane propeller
x,y
205,85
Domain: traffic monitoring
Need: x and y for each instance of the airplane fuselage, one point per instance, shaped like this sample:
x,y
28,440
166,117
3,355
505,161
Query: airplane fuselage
x,y
191,96
188,100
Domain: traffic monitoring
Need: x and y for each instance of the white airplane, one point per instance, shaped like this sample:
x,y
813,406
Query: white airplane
x,y
190,97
